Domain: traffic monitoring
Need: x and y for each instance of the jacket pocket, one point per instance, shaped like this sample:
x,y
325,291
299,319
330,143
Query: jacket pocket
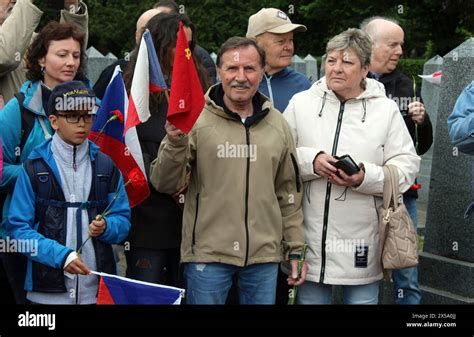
x,y
465,144
297,173
195,223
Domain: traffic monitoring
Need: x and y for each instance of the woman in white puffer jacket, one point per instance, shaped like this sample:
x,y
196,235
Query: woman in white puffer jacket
x,y
345,113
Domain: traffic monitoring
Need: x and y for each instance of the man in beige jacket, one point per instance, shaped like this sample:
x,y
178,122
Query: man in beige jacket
x,y
242,213
18,21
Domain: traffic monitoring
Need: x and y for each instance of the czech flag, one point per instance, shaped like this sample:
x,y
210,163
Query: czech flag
x,y
186,96
121,290
147,78
125,151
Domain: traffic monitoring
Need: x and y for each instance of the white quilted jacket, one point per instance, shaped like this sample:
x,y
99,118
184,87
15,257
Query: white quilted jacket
x,y
341,229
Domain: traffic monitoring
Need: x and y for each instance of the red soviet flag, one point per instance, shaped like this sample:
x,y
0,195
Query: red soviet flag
x,y
186,96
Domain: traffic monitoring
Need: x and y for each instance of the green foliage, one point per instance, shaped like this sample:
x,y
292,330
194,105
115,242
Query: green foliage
x,y
429,51
431,26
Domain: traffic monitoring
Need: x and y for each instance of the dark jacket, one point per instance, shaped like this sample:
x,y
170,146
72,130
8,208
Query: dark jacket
x,y
105,77
400,88
207,62
156,223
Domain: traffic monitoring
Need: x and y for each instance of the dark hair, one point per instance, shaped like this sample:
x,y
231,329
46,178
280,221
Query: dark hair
x,y
53,31
239,42
168,4
163,29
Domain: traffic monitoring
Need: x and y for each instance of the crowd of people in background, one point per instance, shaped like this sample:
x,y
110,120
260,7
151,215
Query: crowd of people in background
x,y
247,218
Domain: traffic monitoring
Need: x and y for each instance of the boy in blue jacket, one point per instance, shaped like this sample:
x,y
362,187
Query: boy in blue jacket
x,y
59,199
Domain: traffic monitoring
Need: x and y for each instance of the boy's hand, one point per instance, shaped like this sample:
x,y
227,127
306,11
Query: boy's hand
x,y
77,266
97,227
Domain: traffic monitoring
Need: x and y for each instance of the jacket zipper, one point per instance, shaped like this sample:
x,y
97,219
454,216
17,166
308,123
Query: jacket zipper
x,y
247,134
195,222
297,172
77,288
269,86
328,196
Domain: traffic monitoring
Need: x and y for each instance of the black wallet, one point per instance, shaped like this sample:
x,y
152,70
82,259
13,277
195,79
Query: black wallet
x,y
347,164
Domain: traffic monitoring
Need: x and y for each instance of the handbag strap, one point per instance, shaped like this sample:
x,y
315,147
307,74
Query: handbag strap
x,y
387,187
390,192
395,185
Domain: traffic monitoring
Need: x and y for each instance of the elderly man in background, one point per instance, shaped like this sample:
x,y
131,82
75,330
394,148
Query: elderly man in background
x,y
387,42
274,32
104,79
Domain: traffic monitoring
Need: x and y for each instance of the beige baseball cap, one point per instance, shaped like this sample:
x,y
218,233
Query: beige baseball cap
x,y
271,20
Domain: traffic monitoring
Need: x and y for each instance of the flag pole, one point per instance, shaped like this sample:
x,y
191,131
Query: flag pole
x,y
167,96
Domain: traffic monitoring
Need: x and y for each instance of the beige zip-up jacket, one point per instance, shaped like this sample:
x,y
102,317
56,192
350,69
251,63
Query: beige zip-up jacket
x,y
16,35
243,204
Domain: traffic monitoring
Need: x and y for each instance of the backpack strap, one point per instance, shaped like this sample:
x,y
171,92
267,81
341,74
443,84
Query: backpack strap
x,y
103,176
41,176
42,181
27,123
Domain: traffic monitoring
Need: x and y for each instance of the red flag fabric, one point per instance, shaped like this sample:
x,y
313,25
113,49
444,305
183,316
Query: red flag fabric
x,y
103,296
186,96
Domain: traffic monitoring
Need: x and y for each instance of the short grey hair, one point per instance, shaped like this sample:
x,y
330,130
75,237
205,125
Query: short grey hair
x,y
354,39
371,29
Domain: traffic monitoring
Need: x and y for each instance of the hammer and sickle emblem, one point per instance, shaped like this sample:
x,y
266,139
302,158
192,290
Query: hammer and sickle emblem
x,y
187,53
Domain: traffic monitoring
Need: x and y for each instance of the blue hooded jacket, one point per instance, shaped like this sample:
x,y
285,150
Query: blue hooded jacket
x,y
281,87
24,224
461,121
11,128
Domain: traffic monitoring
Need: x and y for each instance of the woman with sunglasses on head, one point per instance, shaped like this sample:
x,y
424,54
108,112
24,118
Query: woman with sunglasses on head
x,y
55,56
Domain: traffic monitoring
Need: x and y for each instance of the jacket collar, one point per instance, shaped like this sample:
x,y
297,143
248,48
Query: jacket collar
x,y
68,154
385,77
282,73
44,151
215,97
33,97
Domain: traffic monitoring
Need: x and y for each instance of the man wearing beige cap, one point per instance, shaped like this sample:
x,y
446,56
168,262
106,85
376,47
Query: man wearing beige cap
x,y
274,31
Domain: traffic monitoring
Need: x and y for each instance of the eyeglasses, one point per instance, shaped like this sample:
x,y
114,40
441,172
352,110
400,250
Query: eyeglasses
x,y
74,118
